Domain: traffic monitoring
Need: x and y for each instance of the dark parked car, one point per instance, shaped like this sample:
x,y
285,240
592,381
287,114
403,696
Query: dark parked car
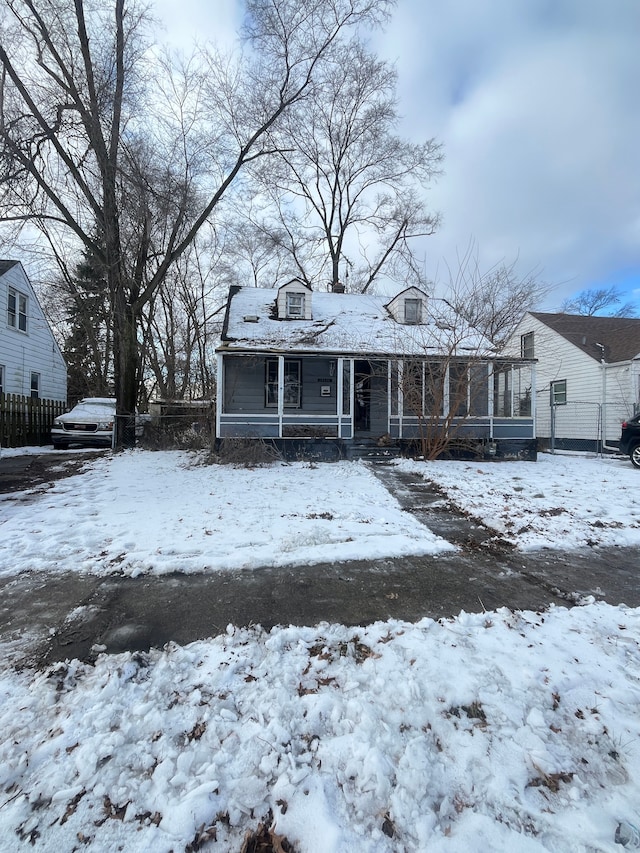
x,y
630,439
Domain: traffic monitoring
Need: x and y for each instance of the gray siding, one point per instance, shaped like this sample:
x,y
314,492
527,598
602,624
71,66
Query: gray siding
x,y
245,391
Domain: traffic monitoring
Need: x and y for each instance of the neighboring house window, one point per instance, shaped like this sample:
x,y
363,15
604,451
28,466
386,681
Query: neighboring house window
x,y
559,392
35,385
526,345
1,378
413,310
292,383
295,304
17,310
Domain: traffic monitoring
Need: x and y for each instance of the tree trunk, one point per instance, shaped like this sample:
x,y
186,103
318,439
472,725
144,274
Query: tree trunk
x,y
126,369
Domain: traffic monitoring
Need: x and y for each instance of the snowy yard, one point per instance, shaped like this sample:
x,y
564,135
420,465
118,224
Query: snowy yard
x,y
560,502
498,731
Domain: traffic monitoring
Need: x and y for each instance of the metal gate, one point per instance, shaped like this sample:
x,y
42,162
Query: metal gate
x,y
576,426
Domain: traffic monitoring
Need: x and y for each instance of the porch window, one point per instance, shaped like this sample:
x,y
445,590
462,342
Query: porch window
x,y
558,393
292,383
526,345
17,310
295,305
413,311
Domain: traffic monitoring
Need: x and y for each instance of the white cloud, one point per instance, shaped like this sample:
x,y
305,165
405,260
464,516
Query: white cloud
x,y
535,102
536,106
193,21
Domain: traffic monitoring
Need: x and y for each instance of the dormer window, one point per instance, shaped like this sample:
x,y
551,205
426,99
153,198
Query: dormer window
x,y
413,311
295,305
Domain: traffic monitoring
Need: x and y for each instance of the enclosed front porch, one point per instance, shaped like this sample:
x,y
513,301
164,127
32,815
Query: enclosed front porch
x,y
382,399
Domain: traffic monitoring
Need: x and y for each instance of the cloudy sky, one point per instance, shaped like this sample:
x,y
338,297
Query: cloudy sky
x,y
537,104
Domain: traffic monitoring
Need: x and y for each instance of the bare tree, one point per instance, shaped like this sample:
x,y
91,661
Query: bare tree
x,y
89,147
181,324
605,301
458,376
495,300
348,191
252,256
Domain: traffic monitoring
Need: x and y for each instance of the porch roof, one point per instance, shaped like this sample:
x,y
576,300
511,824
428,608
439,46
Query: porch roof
x,y
351,323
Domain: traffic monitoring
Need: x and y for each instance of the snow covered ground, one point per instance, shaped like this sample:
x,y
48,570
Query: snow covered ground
x,y
139,512
560,502
498,731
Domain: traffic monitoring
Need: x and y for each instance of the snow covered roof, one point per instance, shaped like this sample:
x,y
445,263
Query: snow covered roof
x,y
352,323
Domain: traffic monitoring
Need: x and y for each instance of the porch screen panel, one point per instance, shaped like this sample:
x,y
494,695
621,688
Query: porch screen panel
x,y
394,386
479,390
522,383
458,389
413,388
243,384
434,376
502,391
346,387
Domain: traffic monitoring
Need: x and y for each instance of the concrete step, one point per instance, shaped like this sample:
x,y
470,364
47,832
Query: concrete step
x,y
372,452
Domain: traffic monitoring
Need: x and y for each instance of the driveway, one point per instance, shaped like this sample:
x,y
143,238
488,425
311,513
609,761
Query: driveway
x,y
50,618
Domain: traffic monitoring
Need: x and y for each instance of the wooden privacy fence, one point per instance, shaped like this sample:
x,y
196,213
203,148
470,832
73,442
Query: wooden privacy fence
x,y
26,421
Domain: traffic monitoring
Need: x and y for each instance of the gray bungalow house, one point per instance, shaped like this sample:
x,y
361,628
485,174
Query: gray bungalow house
x,y
347,370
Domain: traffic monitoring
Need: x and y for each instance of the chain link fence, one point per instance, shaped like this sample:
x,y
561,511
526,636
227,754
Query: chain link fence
x,y
572,425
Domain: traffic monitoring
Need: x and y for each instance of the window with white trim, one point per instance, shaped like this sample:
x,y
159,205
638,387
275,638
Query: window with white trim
x,y
1,378
527,345
558,392
17,304
35,386
295,305
292,383
413,311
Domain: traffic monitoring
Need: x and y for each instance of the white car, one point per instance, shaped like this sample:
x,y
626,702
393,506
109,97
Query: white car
x,y
89,423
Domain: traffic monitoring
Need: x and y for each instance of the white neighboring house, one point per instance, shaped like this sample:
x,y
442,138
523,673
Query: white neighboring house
x,y
589,367
31,362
